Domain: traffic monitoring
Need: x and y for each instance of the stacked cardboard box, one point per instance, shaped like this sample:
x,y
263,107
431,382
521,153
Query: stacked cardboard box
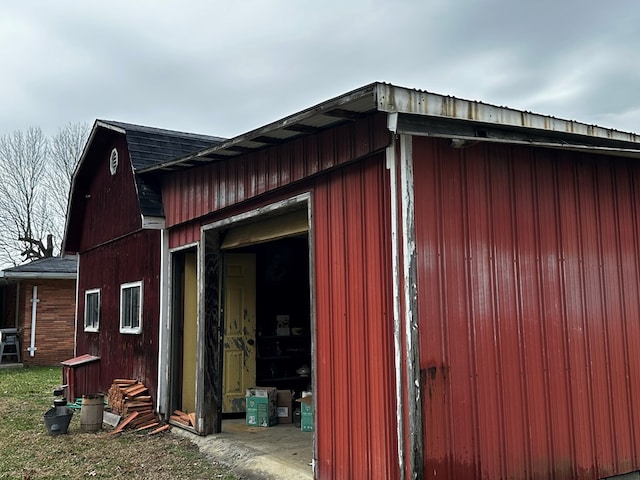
x,y
261,406
284,410
306,413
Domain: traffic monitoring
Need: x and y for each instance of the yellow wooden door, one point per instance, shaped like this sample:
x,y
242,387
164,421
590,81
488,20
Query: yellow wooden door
x,y
239,360
190,319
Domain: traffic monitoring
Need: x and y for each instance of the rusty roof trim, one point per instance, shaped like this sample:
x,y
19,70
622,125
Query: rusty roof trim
x,y
391,99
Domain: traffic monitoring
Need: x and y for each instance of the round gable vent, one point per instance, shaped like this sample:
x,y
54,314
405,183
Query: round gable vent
x,y
113,161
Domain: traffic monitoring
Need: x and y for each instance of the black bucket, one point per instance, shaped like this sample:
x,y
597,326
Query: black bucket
x,y
56,423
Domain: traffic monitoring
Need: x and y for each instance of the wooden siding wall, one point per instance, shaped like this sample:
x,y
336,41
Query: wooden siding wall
x,y
134,258
197,192
55,317
356,417
109,202
529,291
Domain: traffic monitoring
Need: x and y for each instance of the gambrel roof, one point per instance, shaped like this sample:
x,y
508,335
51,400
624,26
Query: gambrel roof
x,y
146,148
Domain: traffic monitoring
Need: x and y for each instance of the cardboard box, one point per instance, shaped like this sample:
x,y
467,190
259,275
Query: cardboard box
x,y
284,408
306,413
261,406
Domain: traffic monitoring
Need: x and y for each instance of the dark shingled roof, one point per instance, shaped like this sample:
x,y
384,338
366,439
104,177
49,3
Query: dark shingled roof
x,y
52,267
150,146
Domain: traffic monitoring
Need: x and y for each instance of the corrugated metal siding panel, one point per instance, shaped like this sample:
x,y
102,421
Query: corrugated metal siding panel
x,y
528,299
225,183
134,258
184,235
355,397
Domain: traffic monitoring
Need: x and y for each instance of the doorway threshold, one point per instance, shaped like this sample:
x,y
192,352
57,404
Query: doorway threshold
x,y
282,451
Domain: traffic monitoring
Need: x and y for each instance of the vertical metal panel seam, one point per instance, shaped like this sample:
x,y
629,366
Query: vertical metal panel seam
x,y
542,315
442,298
585,325
564,313
623,300
520,320
605,308
496,314
472,345
634,229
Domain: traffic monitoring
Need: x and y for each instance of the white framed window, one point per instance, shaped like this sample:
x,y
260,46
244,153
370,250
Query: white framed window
x,y
131,307
92,310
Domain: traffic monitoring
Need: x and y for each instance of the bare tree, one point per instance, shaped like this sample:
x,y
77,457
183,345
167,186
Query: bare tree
x,y
35,178
66,149
23,157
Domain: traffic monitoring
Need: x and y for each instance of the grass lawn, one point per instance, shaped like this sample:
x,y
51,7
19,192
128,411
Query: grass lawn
x,y
28,452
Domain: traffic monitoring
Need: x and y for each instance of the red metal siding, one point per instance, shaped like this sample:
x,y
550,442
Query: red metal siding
x,y
100,195
528,277
356,419
134,258
195,192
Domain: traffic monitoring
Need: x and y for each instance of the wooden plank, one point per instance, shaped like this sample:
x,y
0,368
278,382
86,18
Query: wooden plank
x,y
192,419
147,425
145,418
124,381
160,429
136,390
127,421
179,419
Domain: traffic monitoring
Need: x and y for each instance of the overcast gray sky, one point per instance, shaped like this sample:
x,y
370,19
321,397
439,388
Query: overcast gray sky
x,y
224,68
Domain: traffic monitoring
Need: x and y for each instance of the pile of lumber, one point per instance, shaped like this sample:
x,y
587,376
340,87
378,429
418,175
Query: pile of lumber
x,y
126,396
131,400
186,419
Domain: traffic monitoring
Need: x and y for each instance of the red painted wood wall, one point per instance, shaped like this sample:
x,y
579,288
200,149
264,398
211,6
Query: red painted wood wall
x,y
105,205
130,259
529,293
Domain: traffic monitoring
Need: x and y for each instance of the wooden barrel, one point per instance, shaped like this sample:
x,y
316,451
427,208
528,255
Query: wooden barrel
x,y
91,412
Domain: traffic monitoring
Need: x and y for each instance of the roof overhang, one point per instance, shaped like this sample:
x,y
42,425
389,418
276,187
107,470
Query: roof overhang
x,y
404,102
37,276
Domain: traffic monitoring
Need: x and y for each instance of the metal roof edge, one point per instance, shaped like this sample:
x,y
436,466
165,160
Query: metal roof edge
x,y
390,99
293,119
394,99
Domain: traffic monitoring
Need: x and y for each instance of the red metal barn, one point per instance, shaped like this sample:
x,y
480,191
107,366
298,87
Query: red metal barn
x,y
467,277
114,224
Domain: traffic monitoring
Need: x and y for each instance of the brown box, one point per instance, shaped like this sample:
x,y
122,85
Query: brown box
x,y
284,408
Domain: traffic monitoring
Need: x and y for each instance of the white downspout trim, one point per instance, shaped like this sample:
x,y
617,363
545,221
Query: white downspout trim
x,y
397,318
34,306
164,350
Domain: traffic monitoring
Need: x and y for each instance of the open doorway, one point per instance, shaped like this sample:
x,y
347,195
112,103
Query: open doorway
x,y
274,320
184,330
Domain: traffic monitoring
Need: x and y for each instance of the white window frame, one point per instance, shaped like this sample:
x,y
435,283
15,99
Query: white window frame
x,y
129,329
87,293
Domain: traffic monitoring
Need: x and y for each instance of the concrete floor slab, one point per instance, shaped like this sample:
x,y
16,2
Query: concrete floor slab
x,y
279,452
